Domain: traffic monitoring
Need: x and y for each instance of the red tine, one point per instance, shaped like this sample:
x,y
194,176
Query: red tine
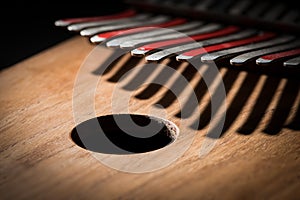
x,y
257,38
276,56
157,45
110,34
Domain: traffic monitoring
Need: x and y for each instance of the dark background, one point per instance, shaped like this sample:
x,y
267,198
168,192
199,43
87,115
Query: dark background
x,y
28,27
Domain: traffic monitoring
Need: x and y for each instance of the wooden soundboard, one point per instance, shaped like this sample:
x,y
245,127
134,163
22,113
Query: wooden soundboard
x,y
257,156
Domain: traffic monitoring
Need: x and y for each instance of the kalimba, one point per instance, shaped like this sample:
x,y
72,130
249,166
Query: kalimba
x,y
164,100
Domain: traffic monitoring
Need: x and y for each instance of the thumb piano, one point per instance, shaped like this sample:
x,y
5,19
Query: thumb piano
x,y
216,81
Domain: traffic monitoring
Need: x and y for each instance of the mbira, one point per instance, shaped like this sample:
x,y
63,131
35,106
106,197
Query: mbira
x,y
163,100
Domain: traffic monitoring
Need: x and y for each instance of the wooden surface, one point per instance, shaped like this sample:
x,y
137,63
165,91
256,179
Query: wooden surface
x,y
257,156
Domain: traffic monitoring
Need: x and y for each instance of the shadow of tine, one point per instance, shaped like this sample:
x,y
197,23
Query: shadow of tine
x,y
260,107
162,77
178,86
295,123
200,90
235,107
283,107
139,79
110,63
228,80
127,66
123,62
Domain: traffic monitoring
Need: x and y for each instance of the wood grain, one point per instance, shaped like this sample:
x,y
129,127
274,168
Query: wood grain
x,y
257,156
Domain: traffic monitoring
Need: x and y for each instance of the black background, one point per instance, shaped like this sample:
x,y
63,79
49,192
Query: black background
x,y
28,27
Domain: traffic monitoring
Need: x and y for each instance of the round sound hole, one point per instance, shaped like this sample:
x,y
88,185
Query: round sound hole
x,y
112,134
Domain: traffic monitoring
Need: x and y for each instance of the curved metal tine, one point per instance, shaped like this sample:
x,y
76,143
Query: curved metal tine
x,y
203,29
92,31
150,47
227,45
170,51
111,35
246,57
83,25
116,42
273,57
294,62
212,57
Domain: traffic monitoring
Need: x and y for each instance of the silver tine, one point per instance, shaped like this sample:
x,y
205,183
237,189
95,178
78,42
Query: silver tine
x,y
293,62
189,25
203,29
61,23
139,52
214,56
281,55
137,37
182,27
118,41
92,31
142,52
137,42
162,31
83,25
246,57
167,52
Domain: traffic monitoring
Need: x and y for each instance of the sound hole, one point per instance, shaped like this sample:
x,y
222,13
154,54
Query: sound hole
x,y
111,138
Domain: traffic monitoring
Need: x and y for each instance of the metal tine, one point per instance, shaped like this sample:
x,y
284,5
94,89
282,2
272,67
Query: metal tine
x,y
246,57
83,25
270,58
92,31
239,7
212,57
170,51
203,29
161,31
150,47
223,46
110,35
294,62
